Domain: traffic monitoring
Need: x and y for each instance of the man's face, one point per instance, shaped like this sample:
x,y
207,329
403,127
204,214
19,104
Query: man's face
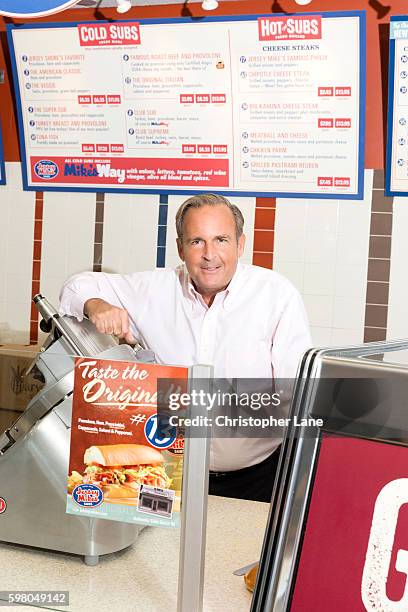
x,y
210,248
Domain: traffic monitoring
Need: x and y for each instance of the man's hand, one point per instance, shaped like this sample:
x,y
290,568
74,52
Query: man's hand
x,y
109,319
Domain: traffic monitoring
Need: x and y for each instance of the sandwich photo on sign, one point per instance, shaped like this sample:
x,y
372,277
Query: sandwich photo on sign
x,y
120,467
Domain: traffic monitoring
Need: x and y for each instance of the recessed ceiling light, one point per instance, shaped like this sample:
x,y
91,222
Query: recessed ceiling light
x,y
209,5
123,6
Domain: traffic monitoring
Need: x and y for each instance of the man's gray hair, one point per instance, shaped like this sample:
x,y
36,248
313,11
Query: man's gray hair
x,y
208,199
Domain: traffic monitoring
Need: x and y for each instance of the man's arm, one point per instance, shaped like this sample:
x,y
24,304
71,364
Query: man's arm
x,y
101,297
291,339
109,319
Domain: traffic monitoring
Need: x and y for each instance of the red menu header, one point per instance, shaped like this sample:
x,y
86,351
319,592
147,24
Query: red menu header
x,y
108,34
290,28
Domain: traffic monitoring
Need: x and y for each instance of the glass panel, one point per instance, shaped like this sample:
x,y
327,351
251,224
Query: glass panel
x,y
42,547
397,357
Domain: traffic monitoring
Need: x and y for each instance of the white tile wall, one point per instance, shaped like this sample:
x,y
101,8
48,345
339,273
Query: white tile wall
x,y
322,215
67,239
130,232
350,281
247,207
293,271
321,336
290,232
172,258
348,313
16,253
290,239
397,324
319,278
14,177
322,247
319,309
345,337
352,246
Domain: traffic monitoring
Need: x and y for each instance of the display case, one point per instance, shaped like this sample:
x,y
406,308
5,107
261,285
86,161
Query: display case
x,y
336,533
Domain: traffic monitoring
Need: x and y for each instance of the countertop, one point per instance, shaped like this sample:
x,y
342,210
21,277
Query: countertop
x,y
143,577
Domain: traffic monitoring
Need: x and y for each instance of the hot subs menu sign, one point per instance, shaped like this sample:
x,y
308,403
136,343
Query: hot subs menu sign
x,y
397,138
355,549
122,465
270,105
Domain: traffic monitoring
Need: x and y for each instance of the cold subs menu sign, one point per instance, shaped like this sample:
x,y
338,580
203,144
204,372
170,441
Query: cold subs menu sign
x,y
397,145
260,105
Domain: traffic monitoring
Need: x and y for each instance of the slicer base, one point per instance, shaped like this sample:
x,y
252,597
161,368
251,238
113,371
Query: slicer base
x,y
33,476
91,560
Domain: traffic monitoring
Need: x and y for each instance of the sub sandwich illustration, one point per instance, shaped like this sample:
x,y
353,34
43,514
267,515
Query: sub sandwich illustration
x,y
120,469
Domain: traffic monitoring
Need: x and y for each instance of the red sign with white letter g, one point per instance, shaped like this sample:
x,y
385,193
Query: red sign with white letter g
x,y
355,549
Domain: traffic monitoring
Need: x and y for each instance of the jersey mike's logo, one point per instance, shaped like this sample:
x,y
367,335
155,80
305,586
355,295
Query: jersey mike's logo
x,y
87,495
46,169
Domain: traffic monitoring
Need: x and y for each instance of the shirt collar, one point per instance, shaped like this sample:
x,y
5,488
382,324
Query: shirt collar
x,y
190,292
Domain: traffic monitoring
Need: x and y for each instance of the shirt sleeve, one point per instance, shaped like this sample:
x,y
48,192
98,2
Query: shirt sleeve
x,y
291,339
128,291
80,288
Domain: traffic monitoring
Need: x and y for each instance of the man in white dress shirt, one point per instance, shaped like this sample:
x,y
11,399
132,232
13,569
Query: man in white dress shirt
x,y
246,321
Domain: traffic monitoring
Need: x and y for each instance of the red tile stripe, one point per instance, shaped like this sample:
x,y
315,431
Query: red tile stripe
x,y
264,232
36,273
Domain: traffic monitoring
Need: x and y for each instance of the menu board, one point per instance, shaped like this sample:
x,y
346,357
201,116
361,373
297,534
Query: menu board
x,y
266,105
2,164
121,466
397,142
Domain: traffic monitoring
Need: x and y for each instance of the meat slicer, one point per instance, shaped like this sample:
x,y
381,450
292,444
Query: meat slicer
x,y
34,449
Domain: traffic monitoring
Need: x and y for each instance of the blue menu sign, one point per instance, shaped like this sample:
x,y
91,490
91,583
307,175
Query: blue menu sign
x,y
33,8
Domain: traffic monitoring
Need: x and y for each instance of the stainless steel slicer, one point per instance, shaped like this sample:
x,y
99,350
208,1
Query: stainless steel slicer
x,y
34,449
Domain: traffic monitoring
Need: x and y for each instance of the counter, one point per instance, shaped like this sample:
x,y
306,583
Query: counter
x,y
143,578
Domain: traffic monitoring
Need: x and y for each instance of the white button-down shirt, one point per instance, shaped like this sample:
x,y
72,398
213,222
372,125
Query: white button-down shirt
x,y
255,328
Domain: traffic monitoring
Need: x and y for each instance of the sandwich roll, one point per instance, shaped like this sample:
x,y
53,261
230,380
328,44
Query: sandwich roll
x,y
116,491
122,454
119,470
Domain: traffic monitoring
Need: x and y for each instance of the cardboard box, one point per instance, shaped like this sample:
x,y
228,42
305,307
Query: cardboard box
x,y
16,388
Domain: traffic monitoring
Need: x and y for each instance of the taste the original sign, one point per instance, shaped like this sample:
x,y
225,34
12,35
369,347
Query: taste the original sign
x,y
121,467
33,8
